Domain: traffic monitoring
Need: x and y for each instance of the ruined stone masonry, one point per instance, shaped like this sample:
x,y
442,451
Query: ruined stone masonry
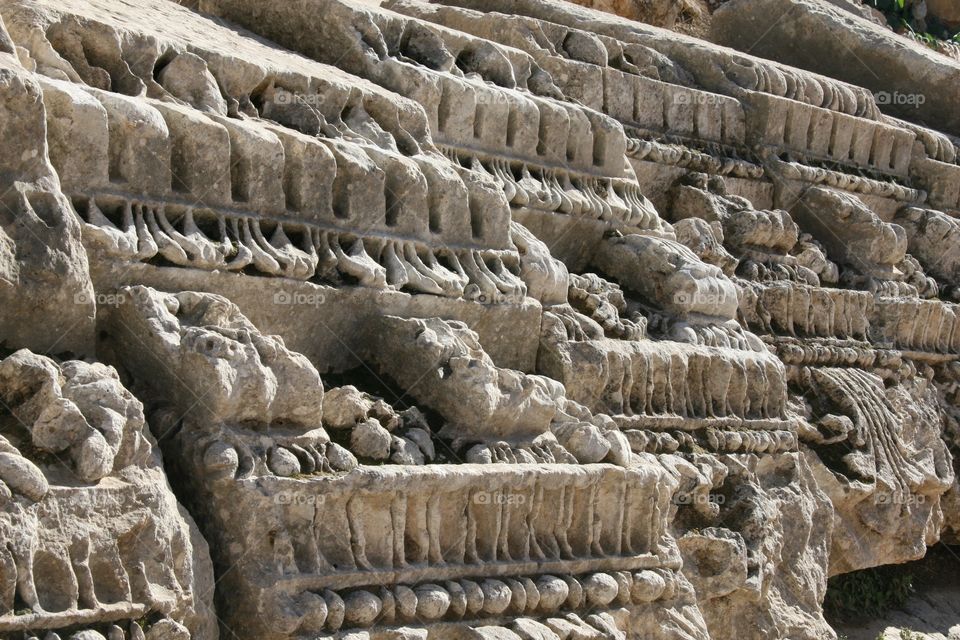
x,y
467,319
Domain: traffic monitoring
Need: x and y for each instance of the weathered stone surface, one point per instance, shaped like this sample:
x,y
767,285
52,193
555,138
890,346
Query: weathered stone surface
x,y
683,287
946,12
92,532
880,504
511,405
462,319
45,287
370,440
824,39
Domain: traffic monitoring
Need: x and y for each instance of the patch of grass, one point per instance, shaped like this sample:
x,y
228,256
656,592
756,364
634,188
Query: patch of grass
x,y
925,38
868,593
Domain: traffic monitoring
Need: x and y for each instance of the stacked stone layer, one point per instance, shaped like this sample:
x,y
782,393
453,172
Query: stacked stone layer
x,y
460,319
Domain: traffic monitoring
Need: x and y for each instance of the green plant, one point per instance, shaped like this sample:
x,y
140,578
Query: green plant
x,y
898,8
899,15
924,38
867,593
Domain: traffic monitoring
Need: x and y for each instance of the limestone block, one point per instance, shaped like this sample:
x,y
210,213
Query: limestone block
x,y
256,166
45,283
77,136
685,287
140,145
200,155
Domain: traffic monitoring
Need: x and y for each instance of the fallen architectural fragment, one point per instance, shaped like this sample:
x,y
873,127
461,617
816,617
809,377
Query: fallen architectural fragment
x,y
93,536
